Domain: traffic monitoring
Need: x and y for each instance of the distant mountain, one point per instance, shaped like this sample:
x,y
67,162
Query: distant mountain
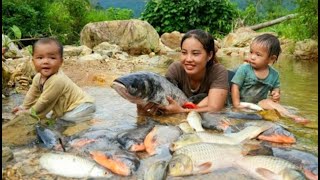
x,y
138,6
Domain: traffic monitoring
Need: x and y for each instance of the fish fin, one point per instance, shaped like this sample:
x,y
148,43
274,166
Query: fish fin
x,y
266,173
205,167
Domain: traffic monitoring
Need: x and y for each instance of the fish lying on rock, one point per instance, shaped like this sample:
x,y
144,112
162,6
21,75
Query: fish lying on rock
x,y
144,87
118,161
194,119
48,138
132,140
161,137
306,160
203,158
232,138
72,166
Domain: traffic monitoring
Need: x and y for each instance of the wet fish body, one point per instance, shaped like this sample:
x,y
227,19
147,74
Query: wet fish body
x,y
194,119
278,134
160,137
157,171
202,158
133,139
143,87
251,106
118,161
268,167
68,165
49,138
307,161
232,139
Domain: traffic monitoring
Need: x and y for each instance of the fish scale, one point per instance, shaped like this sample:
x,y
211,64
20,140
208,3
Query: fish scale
x,y
271,163
219,155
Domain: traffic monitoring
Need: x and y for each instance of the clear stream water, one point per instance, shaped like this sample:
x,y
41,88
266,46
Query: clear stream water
x,y
299,89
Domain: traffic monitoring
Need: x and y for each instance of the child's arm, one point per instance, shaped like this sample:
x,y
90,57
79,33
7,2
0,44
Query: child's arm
x,y
235,95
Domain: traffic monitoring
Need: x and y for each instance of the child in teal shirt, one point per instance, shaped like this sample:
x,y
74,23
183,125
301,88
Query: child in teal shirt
x,y
254,80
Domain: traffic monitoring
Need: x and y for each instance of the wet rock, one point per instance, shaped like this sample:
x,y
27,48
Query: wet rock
x,y
306,50
19,131
172,40
7,154
133,36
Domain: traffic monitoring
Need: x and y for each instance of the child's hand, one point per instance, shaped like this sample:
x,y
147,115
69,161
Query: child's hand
x,y
18,110
275,96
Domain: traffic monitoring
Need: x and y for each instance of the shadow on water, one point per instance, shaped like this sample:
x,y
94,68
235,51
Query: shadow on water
x,y
299,87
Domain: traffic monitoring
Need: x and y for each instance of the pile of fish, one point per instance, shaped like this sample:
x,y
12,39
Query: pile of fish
x,y
202,146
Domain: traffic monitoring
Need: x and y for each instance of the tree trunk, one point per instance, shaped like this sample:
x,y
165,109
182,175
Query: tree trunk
x,y
272,22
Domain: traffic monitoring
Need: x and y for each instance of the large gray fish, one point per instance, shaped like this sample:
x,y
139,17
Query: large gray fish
x,y
143,87
68,165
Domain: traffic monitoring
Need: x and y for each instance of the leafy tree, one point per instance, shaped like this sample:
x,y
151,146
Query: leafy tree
x,y
214,16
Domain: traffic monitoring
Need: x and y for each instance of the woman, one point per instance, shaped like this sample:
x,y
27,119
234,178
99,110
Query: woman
x,y
197,72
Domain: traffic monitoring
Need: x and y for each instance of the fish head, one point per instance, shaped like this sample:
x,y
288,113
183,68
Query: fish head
x,y
180,165
47,137
184,140
135,87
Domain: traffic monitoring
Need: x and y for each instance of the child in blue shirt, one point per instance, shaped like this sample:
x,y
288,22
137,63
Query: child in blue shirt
x,y
254,80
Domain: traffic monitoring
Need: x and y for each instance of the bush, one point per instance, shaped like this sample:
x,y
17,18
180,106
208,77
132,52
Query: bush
x,y
97,15
214,16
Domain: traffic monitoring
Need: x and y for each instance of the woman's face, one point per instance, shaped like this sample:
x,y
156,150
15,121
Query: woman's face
x,y
193,56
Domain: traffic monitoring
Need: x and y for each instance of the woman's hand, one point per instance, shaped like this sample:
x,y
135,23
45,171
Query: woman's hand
x,y
150,108
173,107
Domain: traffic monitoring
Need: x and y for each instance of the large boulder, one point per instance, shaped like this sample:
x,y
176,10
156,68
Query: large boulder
x,y
172,40
306,50
133,36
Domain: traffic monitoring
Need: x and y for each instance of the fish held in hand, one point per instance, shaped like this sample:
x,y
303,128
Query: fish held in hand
x,y
68,165
144,87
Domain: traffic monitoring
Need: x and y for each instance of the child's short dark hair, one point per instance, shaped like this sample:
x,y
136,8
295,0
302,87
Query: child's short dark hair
x,y
271,42
46,41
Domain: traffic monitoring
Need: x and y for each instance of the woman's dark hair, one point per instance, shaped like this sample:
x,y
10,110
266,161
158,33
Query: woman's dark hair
x,y
47,41
206,40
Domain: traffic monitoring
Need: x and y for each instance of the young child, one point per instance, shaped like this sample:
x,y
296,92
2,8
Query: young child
x,y
52,90
255,79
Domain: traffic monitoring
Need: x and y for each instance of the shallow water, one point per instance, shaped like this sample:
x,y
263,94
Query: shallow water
x,y
299,87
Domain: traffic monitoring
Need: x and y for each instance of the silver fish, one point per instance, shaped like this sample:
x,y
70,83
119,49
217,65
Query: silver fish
x,y
232,138
68,165
268,167
194,119
202,158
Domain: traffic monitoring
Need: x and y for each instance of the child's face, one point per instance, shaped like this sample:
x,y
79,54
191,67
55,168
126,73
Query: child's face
x,y
47,59
193,56
259,57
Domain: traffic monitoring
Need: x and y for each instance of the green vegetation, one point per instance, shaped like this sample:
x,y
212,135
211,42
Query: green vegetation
x,y
214,16
304,26
65,19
